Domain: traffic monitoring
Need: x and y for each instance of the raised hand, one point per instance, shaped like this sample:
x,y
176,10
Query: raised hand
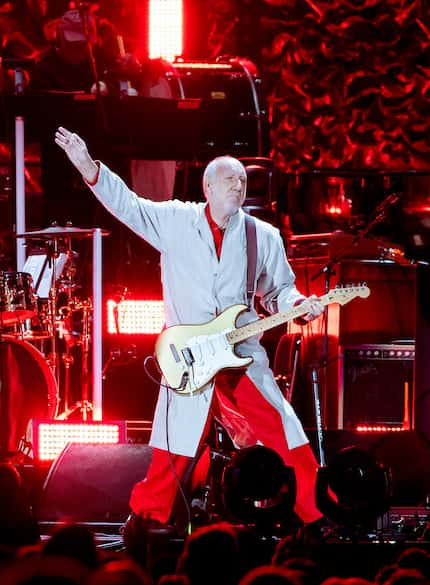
x,y
77,152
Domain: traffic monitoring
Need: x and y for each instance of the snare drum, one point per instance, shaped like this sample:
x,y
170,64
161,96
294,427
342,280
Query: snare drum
x,y
35,329
17,299
28,390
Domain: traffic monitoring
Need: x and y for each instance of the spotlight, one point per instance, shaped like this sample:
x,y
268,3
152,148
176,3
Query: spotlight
x,y
354,490
258,488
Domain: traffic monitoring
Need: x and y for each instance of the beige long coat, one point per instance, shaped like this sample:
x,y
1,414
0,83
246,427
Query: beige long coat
x,y
196,287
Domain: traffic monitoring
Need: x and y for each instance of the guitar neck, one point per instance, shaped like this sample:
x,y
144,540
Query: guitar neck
x,y
262,325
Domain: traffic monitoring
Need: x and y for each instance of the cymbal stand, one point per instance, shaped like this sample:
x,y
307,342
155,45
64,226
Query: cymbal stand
x,y
66,358
68,361
86,405
66,333
52,253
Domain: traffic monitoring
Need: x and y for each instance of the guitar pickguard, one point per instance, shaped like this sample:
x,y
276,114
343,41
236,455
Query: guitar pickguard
x,y
210,353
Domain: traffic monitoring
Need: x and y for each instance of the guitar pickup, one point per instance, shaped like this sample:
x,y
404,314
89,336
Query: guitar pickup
x,y
175,353
188,356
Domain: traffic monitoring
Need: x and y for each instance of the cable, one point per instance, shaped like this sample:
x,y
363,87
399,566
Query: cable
x,y
172,466
166,386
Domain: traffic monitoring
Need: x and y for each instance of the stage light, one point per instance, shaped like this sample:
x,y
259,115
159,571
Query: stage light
x,y
258,488
48,438
135,317
364,428
180,64
354,489
165,29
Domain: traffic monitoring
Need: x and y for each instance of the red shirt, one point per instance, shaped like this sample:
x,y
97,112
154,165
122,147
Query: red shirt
x,y
217,232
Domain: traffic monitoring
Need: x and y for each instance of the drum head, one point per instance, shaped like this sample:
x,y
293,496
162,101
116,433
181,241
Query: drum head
x,y
27,390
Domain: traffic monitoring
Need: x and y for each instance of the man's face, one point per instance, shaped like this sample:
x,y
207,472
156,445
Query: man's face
x,y
226,192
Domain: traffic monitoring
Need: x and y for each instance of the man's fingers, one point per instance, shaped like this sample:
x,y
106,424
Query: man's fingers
x,y
60,141
315,308
66,137
69,141
62,132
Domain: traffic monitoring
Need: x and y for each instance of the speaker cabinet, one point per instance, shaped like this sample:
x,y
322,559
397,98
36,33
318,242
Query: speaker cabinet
x,y
92,482
422,361
375,385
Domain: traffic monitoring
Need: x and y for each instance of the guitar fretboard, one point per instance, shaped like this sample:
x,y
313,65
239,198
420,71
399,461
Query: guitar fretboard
x,y
339,295
262,325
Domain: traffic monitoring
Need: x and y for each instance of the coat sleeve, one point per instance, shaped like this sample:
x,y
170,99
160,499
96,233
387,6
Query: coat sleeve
x,y
149,219
276,287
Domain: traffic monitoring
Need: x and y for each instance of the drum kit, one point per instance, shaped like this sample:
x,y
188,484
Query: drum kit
x,y
44,327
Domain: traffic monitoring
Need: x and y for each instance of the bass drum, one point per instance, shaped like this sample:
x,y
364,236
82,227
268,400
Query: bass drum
x,y
28,390
233,109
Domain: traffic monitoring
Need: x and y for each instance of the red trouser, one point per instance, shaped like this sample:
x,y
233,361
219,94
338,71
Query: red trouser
x,y
155,495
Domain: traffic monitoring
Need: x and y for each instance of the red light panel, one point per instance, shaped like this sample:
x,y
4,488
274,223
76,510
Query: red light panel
x,y
202,65
379,429
165,29
50,437
135,317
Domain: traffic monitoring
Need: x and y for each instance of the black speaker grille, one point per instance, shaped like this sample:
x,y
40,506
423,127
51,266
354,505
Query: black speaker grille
x,y
374,380
93,482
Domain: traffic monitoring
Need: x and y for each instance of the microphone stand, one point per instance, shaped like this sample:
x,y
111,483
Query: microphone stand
x,y
84,12
319,425
378,215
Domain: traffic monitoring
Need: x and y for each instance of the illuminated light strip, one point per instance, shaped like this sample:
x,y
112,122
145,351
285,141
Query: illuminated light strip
x,y
379,429
165,29
50,437
134,317
195,65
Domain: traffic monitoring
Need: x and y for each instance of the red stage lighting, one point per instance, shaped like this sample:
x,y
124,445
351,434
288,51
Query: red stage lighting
x,y
135,317
380,428
165,29
49,437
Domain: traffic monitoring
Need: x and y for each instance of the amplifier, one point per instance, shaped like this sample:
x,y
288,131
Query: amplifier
x,y
375,385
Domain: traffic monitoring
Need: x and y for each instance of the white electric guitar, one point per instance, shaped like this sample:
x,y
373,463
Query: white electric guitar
x,y
189,356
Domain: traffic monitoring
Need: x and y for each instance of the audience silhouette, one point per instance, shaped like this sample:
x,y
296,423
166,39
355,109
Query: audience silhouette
x,y
222,553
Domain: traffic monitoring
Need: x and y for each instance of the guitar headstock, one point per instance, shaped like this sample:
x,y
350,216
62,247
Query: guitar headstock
x,y
342,294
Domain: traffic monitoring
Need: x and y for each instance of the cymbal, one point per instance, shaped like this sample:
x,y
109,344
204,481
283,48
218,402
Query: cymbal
x,y
60,232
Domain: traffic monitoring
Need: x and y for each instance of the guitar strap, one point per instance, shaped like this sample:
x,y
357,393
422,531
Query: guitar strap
x,y
251,251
